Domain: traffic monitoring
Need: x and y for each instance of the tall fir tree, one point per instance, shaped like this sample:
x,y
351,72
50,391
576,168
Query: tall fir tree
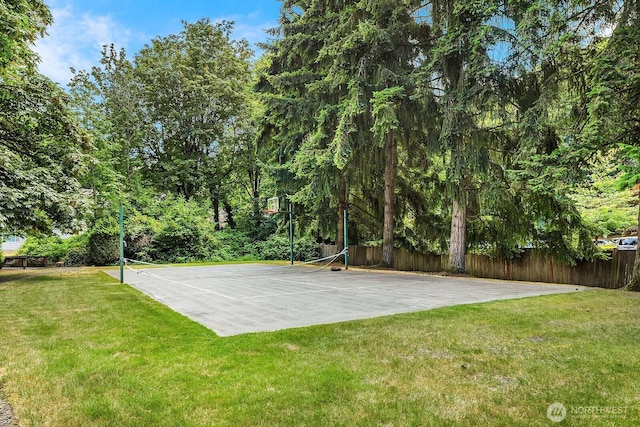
x,y
465,78
345,67
613,93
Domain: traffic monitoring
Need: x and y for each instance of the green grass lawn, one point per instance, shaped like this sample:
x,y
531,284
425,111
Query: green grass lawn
x,y
79,349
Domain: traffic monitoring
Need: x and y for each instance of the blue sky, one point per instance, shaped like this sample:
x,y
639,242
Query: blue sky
x,y
82,27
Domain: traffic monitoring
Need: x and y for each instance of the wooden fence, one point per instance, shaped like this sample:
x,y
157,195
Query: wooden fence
x,y
532,266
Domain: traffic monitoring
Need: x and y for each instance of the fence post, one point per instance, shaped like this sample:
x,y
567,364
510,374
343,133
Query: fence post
x,y
346,239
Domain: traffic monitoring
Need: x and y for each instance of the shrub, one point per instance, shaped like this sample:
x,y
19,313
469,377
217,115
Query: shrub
x,y
73,251
78,253
104,242
185,233
52,247
234,245
139,232
306,249
77,257
277,247
253,222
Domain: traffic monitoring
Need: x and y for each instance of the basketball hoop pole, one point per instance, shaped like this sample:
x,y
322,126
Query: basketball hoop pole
x,y
273,206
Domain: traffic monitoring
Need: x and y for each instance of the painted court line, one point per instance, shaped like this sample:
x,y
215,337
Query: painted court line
x,y
330,288
177,282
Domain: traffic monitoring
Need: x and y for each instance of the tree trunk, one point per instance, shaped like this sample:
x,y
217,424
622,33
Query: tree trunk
x,y
231,222
342,205
390,151
634,282
216,211
254,179
458,243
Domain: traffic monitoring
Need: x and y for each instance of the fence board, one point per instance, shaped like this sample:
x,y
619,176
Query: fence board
x,y
532,266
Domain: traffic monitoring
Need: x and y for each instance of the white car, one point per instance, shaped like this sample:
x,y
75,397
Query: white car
x,y
628,244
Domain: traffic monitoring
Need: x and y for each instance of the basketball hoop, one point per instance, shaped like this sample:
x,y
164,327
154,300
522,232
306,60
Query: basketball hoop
x,y
273,206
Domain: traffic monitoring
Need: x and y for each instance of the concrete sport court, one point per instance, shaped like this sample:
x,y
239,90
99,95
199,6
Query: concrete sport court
x,y
242,298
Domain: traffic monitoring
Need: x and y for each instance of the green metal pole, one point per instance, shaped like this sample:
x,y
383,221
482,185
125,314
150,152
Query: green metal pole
x,y
291,230
121,244
346,239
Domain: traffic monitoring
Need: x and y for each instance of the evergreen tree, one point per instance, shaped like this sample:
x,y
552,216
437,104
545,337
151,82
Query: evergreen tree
x,y
613,96
466,80
300,112
351,101
554,150
374,53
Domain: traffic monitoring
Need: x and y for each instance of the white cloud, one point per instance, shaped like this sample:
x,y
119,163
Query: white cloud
x,y
252,33
76,41
607,30
76,38
246,28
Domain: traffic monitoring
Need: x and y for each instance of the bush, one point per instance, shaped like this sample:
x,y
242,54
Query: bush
x,y
253,222
104,242
234,245
76,257
139,232
185,233
277,247
73,251
78,253
52,247
306,249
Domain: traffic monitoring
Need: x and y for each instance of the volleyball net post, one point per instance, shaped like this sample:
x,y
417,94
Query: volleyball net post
x,y
121,243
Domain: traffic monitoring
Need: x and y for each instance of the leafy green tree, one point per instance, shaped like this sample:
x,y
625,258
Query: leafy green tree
x,y
21,23
41,156
185,133
105,102
41,145
193,96
249,175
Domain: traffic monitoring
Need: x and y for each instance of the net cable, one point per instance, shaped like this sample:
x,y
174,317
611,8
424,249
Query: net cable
x,y
328,260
